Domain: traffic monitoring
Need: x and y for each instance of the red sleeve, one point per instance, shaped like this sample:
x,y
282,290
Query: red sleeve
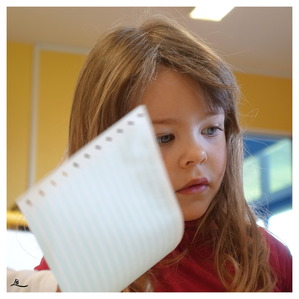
x,y
281,262
42,266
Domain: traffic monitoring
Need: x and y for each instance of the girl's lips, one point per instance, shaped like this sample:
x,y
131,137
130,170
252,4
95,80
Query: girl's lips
x,y
195,186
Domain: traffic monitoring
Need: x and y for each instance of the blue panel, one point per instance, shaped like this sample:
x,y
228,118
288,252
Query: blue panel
x,y
271,202
255,143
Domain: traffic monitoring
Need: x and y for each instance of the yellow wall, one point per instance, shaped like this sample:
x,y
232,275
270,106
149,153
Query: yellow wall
x,y
266,106
58,76
19,81
58,73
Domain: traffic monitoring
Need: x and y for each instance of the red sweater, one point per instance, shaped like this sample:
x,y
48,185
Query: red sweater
x,y
195,272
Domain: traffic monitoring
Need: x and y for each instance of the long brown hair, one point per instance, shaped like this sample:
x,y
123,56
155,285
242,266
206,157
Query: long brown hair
x,y
117,71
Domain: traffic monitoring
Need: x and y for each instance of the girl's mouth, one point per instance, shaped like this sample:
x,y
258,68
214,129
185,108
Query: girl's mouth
x,y
194,186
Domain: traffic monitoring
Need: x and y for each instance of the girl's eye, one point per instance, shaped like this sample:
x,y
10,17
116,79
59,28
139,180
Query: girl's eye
x,y
211,131
165,138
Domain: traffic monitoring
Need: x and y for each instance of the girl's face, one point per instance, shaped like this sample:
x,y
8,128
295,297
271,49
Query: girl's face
x,y
191,139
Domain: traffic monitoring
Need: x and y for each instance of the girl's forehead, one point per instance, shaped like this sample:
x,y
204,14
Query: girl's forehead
x,y
170,87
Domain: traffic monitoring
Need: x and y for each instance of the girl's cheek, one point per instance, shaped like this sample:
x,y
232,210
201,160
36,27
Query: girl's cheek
x,y
170,167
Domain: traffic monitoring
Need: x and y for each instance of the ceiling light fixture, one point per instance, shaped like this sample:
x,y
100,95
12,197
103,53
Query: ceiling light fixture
x,y
212,11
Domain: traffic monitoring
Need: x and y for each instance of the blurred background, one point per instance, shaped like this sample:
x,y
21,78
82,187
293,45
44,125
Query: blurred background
x,y
46,47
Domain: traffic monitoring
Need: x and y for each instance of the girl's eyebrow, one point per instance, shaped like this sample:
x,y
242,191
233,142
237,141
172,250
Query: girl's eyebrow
x,y
165,121
175,121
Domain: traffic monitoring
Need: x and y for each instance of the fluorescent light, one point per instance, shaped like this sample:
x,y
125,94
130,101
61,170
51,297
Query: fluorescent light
x,y
209,10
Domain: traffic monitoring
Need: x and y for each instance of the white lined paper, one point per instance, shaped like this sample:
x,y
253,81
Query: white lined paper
x,y
110,214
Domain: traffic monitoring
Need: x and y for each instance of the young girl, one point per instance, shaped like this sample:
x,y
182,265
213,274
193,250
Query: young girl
x,y
191,96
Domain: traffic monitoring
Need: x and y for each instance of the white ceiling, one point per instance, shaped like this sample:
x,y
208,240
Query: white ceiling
x,y
253,39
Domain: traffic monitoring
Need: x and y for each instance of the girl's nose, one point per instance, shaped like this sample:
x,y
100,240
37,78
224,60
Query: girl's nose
x,y
193,154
